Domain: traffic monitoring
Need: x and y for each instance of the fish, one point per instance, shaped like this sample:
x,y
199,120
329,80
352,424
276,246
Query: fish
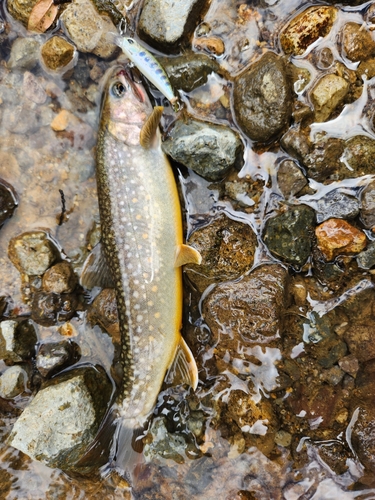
x,y
147,64
142,240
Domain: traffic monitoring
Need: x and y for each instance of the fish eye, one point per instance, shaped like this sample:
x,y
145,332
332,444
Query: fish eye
x,y
118,89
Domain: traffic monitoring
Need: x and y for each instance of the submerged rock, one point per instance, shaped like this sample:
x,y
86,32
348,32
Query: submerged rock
x,y
306,28
363,437
168,24
103,311
13,381
366,259
208,149
63,418
338,237
59,278
17,340
24,54
188,71
33,252
8,201
368,205
360,340
21,9
248,310
262,98
357,42
50,308
227,248
327,94
290,178
359,156
289,236
164,444
55,356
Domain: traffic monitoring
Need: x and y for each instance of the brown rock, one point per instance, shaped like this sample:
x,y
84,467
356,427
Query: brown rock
x,y
227,248
306,28
363,437
249,310
59,278
327,94
104,312
61,120
358,44
57,53
212,44
337,237
361,341
349,364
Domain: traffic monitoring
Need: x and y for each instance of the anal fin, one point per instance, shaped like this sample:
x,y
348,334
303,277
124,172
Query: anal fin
x,y
183,369
187,255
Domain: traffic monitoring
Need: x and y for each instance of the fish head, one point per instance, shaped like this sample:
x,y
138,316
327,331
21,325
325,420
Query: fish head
x,y
125,104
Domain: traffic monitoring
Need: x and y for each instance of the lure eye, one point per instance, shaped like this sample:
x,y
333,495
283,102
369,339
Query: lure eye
x,y
130,40
118,89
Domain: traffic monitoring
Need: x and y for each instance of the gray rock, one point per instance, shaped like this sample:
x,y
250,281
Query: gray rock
x,y
13,382
17,340
262,98
33,252
63,418
368,205
168,24
290,178
288,236
189,71
366,259
210,150
336,204
164,444
55,356
24,54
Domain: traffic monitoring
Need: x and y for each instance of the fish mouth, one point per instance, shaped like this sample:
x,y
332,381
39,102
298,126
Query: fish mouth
x,y
127,74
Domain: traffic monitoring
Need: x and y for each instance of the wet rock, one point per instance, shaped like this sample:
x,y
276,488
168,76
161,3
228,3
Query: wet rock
x,y
64,417
296,144
366,259
50,308
59,278
103,311
349,364
283,438
324,160
361,341
212,45
24,54
288,236
32,252
93,38
338,237
368,205
13,381
363,437
327,94
8,201
306,28
164,444
168,24
335,454
55,356
57,53
336,204
208,149
227,248
357,42
359,155
290,178
262,98
188,71
21,9
17,340
249,309
255,418
333,375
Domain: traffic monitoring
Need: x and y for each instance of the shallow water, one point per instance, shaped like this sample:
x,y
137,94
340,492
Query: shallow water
x,y
39,162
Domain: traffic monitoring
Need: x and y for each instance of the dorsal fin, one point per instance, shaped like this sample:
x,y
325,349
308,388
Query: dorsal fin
x,y
186,254
148,130
183,369
95,271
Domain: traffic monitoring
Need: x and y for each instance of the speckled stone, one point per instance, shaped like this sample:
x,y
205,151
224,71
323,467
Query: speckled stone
x,y
338,237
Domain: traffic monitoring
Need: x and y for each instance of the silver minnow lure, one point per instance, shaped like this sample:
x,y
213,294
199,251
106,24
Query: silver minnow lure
x,y
147,65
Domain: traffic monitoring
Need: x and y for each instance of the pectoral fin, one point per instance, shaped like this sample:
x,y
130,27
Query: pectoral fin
x,y
95,271
148,131
187,255
183,369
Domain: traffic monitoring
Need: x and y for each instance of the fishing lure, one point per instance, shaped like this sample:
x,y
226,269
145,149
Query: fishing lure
x,y
147,65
